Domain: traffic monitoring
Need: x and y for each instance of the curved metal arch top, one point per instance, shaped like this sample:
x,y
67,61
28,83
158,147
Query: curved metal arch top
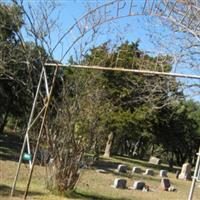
x,y
176,12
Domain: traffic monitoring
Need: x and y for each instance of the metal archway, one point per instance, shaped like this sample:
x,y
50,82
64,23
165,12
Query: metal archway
x,y
113,10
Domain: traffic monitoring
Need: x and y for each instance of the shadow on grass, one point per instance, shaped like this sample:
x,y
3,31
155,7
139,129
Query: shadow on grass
x,y
90,196
113,164
145,164
106,164
110,165
10,145
5,191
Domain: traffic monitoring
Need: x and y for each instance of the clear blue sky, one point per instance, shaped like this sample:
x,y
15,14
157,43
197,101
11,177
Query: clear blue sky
x,y
69,10
73,9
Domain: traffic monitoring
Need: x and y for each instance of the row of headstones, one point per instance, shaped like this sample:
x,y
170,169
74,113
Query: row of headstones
x,y
185,171
140,185
150,172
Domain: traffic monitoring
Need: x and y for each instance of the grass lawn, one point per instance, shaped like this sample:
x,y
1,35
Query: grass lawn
x,y
92,184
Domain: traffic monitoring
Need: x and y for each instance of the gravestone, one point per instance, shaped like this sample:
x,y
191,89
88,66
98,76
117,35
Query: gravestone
x,y
51,160
121,169
163,173
149,172
154,160
146,188
171,189
171,163
101,171
198,176
177,174
185,172
136,170
165,184
138,185
119,183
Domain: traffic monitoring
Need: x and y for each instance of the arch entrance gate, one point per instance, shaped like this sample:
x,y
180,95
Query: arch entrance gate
x,y
176,12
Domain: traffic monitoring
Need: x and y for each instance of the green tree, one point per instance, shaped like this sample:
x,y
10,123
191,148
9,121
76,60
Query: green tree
x,y
20,67
11,22
129,92
75,124
176,128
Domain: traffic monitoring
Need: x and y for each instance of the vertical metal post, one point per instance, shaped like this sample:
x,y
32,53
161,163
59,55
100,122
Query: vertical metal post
x,y
194,176
29,149
46,82
41,130
26,135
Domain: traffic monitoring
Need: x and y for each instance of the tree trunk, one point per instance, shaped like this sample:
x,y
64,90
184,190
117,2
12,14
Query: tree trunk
x,y
109,143
152,149
4,121
136,151
15,126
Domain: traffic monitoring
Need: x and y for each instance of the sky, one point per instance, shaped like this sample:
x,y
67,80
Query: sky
x,y
131,29
71,10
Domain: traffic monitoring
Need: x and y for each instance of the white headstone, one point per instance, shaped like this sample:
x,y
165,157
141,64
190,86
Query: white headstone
x,y
149,172
51,161
171,189
185,172
122,168
101,171
154,160
136,170
119,183
165,184
163,173
138,185
146,188
198,176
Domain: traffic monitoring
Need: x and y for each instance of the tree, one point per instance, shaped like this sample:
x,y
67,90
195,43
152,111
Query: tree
x,y
129,92
177,130
75,124
20,66
10,89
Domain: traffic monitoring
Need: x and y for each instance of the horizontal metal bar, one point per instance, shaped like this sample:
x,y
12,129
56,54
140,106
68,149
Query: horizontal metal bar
x,y
136,71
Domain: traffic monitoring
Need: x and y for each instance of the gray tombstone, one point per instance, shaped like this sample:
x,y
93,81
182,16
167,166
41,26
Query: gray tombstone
x,y
165,184
138,185
101,171
51,161
121,169
146,188
177,174
154,160
119,183
171,189
136,170
163,173
149,172
198,176
185,172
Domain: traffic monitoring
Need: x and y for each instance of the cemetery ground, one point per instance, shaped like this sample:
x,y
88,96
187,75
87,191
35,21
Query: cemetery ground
x,y
92,184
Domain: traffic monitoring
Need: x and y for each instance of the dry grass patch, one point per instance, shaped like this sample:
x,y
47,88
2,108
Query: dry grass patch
x,y
92,185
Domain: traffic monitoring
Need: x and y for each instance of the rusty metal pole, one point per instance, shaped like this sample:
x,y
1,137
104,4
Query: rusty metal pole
x,y
41,130
26,135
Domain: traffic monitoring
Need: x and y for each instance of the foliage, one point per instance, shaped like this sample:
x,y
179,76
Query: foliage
x,y
146,114
20,66
75,124
11,21
135,98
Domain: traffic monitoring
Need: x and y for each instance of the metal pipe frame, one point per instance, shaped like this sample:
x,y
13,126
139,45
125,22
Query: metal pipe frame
x,y
136,71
